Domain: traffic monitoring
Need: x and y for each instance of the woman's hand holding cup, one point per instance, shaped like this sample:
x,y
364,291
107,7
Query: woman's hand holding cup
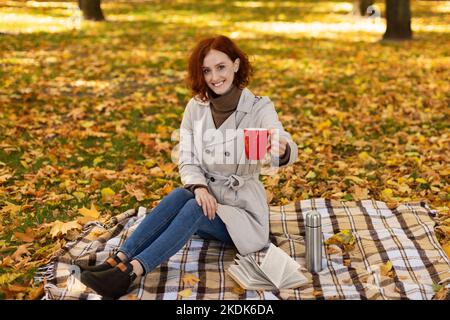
x,y
206,201
277,143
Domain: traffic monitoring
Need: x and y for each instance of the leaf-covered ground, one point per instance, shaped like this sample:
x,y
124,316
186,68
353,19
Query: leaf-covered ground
x,y
87,110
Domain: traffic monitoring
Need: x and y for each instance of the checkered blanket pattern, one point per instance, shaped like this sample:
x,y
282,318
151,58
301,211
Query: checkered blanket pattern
x,y
403,235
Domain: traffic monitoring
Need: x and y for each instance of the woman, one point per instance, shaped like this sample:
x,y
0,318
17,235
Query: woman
x,y
222,197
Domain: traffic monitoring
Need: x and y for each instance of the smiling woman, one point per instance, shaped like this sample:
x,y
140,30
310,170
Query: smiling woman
x,y
224,202
217,60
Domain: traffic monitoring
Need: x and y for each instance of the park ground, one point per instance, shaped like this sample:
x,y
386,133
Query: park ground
x,y
88,110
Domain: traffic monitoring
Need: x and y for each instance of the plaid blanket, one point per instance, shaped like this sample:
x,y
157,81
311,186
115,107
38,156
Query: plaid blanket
x,y
403,236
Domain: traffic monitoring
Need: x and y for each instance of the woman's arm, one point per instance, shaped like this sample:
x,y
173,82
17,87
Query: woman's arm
x,y
270,120
189,166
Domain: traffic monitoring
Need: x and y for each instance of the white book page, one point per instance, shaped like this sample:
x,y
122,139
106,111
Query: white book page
x,y
253,272
294,280
270,277
277,265
236,273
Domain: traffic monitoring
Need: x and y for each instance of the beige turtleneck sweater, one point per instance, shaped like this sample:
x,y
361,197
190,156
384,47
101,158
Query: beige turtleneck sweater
x,y
222,106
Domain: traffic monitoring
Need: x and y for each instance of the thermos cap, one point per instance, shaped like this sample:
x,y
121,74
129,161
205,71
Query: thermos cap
x,y
313,219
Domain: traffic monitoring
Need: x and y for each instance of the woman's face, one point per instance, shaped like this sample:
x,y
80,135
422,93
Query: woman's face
x,y
218,70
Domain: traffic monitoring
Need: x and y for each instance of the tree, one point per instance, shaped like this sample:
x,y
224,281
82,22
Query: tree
x,y
91,10
360,6
398,20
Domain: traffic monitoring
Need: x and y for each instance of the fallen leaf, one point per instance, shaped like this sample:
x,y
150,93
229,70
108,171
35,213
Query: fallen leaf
x,y
333,249
189,279
135,191
28,236
21,250
343,239
95,233
317,293
366,158
442,294
107,195
79,195
386,269
62,228
91,213
186,293
36,293
11,209
17,288
238,290
311,175
8,277
7,262
360,193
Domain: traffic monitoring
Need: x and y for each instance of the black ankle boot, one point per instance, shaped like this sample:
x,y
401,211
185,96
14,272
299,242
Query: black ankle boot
x,y
109,263
112,283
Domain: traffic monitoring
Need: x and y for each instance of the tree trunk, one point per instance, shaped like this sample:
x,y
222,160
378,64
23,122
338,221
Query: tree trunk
x,y
91,10
360,6
398,20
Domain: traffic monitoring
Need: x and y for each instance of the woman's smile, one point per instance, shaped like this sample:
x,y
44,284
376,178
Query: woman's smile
x,y
218,84
218,71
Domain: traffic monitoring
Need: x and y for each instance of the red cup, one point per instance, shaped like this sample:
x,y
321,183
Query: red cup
x,y
256,143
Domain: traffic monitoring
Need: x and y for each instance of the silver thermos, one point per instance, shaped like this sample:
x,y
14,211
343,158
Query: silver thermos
x,y
313,242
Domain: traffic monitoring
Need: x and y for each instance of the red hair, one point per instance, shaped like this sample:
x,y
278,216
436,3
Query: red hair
x,y
195,79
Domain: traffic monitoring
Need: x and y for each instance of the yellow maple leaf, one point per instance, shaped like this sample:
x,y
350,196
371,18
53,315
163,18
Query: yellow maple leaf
x,y
386,268
79,195
107,195
190,279
95,233
59,227
404,188
91,213
343,239
387,194
366,158
186,293
323,125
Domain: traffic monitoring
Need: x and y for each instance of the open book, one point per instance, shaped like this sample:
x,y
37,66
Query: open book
x,y
277,271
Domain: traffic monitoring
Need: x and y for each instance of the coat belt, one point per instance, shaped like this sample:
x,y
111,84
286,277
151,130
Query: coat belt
x,y
233,182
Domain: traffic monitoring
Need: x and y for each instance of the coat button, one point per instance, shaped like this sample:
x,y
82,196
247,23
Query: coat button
x,y
208,151
212,179
227,153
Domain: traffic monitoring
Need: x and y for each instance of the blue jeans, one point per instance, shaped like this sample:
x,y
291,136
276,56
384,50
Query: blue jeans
x,y
167,228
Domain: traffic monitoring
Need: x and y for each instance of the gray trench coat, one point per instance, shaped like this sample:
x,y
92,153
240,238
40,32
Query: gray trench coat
x,y
216,158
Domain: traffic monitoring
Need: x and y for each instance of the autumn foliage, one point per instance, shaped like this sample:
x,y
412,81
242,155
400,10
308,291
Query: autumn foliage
x,y
88,111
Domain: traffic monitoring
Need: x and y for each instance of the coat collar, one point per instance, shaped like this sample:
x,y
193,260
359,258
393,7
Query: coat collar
x,y
227,131
246,101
